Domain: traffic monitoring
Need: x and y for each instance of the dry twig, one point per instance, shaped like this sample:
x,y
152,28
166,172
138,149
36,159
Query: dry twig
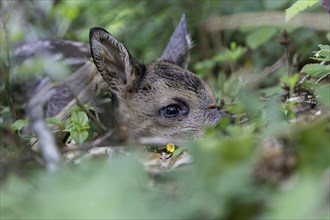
x,y
84,109
46,140
323,77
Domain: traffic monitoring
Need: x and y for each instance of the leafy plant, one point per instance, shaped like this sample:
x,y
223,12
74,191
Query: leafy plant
x,y
319,69
19,124
77,125
55,121
260,37
231,55
298,7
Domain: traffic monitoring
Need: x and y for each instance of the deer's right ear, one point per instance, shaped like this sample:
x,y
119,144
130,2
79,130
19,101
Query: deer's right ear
x,y
112,60
177,50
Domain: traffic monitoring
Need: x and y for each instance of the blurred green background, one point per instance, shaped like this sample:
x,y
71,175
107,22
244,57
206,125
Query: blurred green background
x,y
145,26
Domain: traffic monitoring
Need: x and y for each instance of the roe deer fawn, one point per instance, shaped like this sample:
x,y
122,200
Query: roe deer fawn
x,y
160,99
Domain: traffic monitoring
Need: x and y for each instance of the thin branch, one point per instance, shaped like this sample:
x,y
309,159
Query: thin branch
x,y
46,140
5,66
90,145
306,78
96,120
302,110
287,61
323,77
285,42
267,71
316,21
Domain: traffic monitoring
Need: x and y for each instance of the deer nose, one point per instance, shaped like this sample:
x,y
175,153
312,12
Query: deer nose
x,y
231,118
218,107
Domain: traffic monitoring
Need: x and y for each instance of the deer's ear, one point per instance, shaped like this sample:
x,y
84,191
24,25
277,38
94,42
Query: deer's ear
x,y
112,60
177,50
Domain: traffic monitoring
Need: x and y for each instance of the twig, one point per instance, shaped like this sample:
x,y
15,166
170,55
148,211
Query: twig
x,y
285,42
267,71
286,54
306,78
88,146
86,110
295,59
302,110
46,140
244,120
322,78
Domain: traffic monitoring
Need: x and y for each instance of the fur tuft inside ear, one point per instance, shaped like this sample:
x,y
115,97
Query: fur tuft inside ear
x,y
111,58
190,42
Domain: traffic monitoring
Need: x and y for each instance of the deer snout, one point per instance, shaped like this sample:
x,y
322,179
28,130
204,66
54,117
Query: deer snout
x,y
232,118
218,113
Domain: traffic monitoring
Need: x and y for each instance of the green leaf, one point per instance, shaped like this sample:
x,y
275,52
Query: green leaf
x,y
299,6
312,143
79,117
230,55
75,116
55,121
203,66
68,125
249,100
323,54
259,37
177,152
291,80
273,116
323,93
79,136
77,125
19,124
292,204
324,47
221,82
316,70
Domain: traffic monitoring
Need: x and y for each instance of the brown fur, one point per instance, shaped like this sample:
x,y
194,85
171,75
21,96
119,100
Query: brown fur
x,y
143,91
144,97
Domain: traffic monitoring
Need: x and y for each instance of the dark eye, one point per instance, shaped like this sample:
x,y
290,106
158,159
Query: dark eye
x,y
171,111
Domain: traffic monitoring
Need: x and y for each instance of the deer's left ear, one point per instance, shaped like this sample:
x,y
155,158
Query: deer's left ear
x,y
113,60
177,50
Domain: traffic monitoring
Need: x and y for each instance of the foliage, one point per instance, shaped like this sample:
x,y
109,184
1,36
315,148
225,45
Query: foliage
x,y
77,125
323,54
19,124
230,55
259,37
272,163
316,69
299,6
222,187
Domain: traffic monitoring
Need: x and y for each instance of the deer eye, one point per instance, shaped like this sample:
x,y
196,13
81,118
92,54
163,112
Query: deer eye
x,y
172,111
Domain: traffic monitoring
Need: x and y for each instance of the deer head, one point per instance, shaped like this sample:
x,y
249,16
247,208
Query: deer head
x,y
161,99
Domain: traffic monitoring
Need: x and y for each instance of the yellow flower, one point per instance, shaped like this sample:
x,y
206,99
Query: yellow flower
x,y
170,147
